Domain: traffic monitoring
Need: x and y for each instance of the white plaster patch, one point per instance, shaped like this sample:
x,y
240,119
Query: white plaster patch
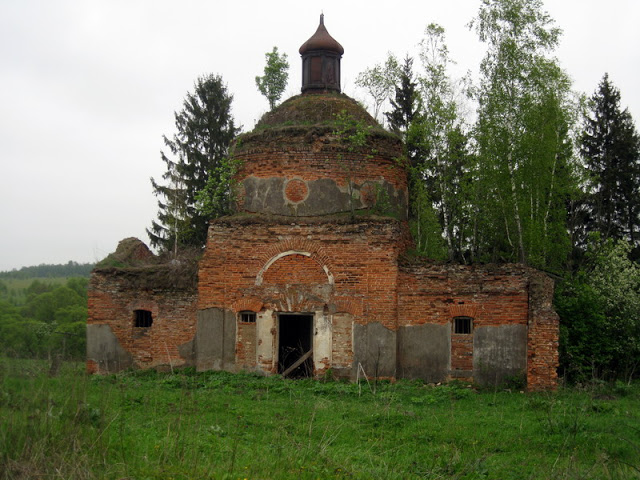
x,y
322,338
265,325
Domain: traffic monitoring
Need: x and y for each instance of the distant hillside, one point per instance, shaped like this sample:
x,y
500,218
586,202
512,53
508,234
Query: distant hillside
x,y
70,269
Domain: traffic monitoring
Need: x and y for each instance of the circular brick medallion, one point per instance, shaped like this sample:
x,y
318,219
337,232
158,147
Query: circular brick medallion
x,y
296,190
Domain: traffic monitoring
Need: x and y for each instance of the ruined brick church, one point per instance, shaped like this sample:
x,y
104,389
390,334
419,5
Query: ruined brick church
x,y
311,276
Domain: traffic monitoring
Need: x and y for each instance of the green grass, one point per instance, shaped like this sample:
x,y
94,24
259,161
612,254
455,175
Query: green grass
x,y
148,425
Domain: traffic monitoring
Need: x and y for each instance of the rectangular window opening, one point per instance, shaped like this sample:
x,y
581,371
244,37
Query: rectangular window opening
x,y
247,317
316,69
142,318
462,325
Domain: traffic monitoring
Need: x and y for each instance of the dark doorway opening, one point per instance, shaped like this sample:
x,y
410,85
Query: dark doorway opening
x,y
294,343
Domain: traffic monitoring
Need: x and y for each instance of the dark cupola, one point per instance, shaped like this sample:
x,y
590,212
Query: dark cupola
x,y
321,56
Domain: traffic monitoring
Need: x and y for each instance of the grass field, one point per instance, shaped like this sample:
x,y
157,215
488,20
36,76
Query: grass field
x,y
148,425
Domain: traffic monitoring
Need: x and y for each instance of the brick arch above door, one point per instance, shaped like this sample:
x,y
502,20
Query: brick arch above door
x,y
294,267
304,246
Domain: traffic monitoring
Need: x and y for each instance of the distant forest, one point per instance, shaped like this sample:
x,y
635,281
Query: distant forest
x,y
43,311
70,269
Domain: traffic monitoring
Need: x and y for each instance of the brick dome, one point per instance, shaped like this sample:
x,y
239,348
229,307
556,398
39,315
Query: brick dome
x,y
315,109
297,163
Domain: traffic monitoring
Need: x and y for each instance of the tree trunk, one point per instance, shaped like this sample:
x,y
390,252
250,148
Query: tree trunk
x,y
516,209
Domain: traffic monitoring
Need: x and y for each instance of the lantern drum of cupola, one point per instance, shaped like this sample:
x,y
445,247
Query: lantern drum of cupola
x,y
321,56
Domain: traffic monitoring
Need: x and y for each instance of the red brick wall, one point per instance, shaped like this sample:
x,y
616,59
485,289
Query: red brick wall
x,y
461,352
342,347
492,295
246,346
348,270
358,258
543,335
295,269
113,297
296,190
318,165
307,158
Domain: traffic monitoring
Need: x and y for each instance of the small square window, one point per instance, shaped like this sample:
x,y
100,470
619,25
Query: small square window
x,y
142,318
462,325
247,317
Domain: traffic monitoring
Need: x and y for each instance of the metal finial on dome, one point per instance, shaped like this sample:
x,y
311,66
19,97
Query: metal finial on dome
x,y
321,56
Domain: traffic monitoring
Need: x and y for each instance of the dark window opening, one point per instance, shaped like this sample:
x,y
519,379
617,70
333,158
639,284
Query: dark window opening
x,y
142,318
316,69
294,346
462,325
247,317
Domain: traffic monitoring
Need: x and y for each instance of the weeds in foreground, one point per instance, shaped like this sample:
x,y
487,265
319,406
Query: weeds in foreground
x,y
218,425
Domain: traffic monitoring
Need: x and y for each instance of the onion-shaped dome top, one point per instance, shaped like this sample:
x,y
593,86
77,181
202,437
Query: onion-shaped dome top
x,y
321,40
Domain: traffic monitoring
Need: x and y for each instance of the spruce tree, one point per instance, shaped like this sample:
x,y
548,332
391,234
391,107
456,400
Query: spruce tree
x,y
406,105
205,129
610,148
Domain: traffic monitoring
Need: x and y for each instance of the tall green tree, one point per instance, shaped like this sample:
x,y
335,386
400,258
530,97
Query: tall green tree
x,y
276,75
610,148
205,129
524,148
438,140
599,308
379,82
219,194
51,320
43,307
406,105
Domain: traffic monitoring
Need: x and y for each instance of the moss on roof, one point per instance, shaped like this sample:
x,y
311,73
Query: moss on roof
x,y
176,276
134,263
342,218
311,114
314,109
131,252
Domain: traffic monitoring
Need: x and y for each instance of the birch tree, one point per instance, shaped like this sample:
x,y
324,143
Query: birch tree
x,y
379,82
276,75
438,135
522,134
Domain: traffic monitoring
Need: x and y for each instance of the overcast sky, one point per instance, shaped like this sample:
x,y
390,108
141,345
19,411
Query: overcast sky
x,y
88,88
